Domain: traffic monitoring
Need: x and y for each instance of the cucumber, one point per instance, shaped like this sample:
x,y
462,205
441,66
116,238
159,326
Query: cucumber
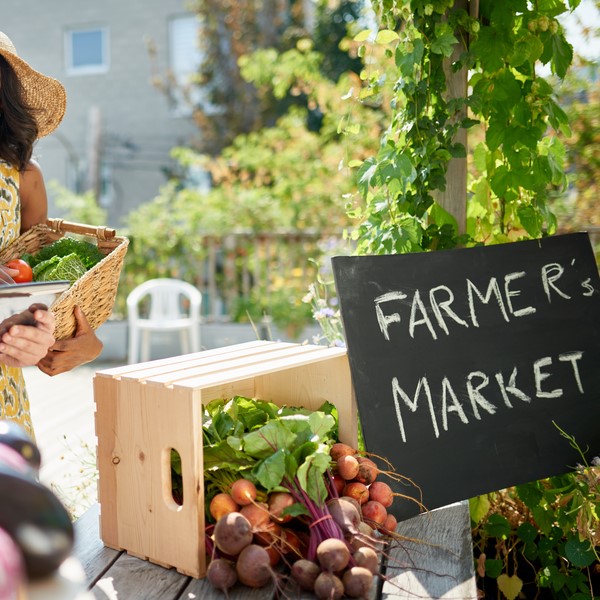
x,y
16,437
36,520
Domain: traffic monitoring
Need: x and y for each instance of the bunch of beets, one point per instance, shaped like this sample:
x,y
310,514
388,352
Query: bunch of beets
x,y
257,538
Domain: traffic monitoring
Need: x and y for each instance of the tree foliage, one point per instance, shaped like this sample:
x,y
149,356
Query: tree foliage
x,y
231,30
519,158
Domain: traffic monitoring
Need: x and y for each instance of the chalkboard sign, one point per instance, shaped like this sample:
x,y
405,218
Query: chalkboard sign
x,y
465,361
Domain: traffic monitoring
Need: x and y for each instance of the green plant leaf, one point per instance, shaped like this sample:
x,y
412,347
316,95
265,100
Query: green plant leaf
x,y
270,471
527,532
478,507
579,552
385,36
531,220
295,510
562,53
310,474
444,40
363,35
223,456
271,437
510,586
321,425
497,526
493,567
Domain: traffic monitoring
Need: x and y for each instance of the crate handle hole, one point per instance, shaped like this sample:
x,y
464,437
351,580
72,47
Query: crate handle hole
x,y
172,477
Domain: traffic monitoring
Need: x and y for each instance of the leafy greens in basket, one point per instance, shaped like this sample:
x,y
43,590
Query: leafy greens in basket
x,y
66,258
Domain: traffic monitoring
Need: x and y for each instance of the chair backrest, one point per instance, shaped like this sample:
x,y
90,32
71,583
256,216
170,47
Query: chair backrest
x,y
166,300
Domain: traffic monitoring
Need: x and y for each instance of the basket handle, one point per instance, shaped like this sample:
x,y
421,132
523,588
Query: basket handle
x,y
62,226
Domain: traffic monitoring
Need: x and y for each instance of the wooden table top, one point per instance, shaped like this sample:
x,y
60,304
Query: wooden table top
x,y
432,558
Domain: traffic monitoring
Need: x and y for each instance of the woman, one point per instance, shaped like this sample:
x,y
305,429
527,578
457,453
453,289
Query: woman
x,y
31,106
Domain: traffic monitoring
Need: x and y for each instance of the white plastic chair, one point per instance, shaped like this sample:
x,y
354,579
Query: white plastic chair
x,y
174,306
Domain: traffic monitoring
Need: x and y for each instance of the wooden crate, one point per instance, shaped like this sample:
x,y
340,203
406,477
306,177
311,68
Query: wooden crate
x,y
145,410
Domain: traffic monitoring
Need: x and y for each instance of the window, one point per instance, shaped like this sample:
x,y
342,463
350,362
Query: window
x,y
87,51
185,58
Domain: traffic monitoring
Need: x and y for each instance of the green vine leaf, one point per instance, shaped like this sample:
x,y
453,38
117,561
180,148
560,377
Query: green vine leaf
x,y
563,54
510,586
444,40
497,526
478,507
493,567
580,552
386,36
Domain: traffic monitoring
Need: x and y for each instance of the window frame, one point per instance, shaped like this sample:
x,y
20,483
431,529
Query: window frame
x,y
180,108
70,69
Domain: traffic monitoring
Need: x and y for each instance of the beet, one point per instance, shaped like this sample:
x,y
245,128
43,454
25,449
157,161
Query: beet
x,y
243,491
345,514
357,582
368,558
233,533
333,555
305,572
253,566
222,574
328,587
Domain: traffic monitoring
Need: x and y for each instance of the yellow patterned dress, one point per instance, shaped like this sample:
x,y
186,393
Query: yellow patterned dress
x,y
14,402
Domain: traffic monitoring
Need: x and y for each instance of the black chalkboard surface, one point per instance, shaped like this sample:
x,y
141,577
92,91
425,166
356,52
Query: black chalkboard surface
x,y
464,361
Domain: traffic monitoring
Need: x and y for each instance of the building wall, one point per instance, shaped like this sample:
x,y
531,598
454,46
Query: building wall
x,y
136,126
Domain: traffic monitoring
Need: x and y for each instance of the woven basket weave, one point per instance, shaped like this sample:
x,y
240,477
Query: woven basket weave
x,y
95,291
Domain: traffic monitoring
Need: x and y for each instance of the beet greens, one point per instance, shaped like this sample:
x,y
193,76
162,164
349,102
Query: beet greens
x,y
278,449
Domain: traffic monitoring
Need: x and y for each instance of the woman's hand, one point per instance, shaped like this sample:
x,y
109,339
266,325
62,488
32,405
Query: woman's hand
x,y
25,345
67,354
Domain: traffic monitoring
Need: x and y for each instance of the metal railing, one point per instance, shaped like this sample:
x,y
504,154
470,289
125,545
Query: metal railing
x,y
239,267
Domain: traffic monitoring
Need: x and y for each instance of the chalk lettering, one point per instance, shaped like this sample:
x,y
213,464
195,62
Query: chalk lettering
x,y
511,387
476,396
444,305
588,287
550,273
455,405
573,357
478,383
492,288
412,405
385,320
417,305
538,365
513,293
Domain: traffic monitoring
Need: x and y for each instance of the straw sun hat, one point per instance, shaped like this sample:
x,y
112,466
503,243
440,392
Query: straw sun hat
x,y
44,95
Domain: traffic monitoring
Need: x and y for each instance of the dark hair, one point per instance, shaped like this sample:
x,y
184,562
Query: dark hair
x,y
18,127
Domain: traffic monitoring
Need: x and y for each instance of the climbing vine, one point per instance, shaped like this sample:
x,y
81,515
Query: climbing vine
x,y
510,111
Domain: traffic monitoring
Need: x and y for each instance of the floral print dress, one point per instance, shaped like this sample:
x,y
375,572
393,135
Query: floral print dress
x,y
14,402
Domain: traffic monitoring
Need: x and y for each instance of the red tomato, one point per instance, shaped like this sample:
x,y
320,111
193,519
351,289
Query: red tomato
x,y
25,273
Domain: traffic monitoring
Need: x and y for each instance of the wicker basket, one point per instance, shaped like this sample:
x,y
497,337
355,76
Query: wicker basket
x,y
95,291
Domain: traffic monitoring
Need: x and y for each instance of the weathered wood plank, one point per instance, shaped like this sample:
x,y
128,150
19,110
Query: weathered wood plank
x,y
93,555
136,579
435,558
201,588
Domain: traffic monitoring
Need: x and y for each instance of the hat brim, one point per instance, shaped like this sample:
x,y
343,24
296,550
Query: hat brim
x,y
45,95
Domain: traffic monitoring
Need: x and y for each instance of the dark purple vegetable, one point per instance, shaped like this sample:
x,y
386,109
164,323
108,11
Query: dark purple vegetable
x,y
305,572
12,571
222,574
37,521
16,437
